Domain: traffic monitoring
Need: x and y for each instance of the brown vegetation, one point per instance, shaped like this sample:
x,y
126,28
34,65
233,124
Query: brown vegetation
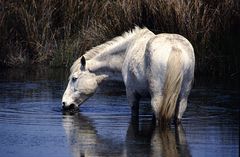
x,y
55,32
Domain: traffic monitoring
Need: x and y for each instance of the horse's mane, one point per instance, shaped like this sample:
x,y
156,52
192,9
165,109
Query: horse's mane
x,y
107,45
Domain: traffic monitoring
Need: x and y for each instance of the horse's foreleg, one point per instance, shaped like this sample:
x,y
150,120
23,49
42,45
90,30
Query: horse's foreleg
x,y
133,100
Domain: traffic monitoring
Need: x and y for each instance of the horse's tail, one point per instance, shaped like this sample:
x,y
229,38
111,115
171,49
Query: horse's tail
x,y
172,85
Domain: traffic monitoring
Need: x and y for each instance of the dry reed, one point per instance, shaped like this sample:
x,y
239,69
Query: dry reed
x,y
56,32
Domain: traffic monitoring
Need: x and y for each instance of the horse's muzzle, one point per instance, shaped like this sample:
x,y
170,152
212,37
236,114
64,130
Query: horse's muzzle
x,y
68,107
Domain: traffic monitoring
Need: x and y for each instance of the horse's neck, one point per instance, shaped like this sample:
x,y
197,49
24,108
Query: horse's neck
x,y
111,58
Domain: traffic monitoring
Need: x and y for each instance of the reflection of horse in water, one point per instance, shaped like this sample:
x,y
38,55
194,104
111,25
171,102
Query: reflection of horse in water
x,y
141,139
84,140
172,145
156,141
81,135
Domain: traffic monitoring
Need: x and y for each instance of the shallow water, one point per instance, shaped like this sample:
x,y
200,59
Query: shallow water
x,y
32,123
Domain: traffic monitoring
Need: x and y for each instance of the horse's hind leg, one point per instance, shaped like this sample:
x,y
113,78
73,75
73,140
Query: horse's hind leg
x,y
156,102
181,109
182,101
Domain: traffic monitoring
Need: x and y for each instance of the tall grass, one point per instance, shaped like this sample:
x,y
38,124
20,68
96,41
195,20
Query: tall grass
x,y
55,32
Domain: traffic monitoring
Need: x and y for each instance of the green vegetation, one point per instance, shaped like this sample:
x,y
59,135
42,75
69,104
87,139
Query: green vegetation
x,y
56,32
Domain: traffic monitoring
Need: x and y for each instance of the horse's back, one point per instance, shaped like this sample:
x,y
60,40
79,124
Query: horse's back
x,y
160,46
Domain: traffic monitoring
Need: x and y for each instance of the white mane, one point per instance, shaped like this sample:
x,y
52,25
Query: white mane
x,y
117,43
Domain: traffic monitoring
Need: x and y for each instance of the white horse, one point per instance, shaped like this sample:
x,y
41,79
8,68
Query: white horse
x,y
160,66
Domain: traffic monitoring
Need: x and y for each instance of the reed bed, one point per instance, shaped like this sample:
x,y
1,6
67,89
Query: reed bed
x,y
55,32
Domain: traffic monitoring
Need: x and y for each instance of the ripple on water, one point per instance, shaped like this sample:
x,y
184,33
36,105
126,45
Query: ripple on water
x,y
28,116
31,117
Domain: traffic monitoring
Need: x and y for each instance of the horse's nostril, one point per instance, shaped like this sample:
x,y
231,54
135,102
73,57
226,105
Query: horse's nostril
x,y
63,104
71,106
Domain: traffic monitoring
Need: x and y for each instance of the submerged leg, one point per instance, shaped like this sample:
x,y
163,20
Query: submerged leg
x,y
183,98
133,100
182,103
180,109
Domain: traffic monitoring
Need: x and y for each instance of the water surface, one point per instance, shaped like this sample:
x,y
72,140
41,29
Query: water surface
x,y
32,123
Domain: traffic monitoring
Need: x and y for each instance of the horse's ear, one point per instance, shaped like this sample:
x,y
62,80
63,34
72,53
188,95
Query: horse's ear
x,y
83,62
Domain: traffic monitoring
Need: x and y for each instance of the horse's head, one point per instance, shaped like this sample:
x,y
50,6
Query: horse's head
x,y
82,85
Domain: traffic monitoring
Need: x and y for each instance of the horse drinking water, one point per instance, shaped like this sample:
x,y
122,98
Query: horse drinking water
x,y
160,66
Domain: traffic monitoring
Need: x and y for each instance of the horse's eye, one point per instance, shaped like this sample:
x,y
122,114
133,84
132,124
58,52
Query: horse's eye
x,y
74,79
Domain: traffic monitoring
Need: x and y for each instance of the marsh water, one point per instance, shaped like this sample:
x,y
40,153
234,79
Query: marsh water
x,y
33,124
